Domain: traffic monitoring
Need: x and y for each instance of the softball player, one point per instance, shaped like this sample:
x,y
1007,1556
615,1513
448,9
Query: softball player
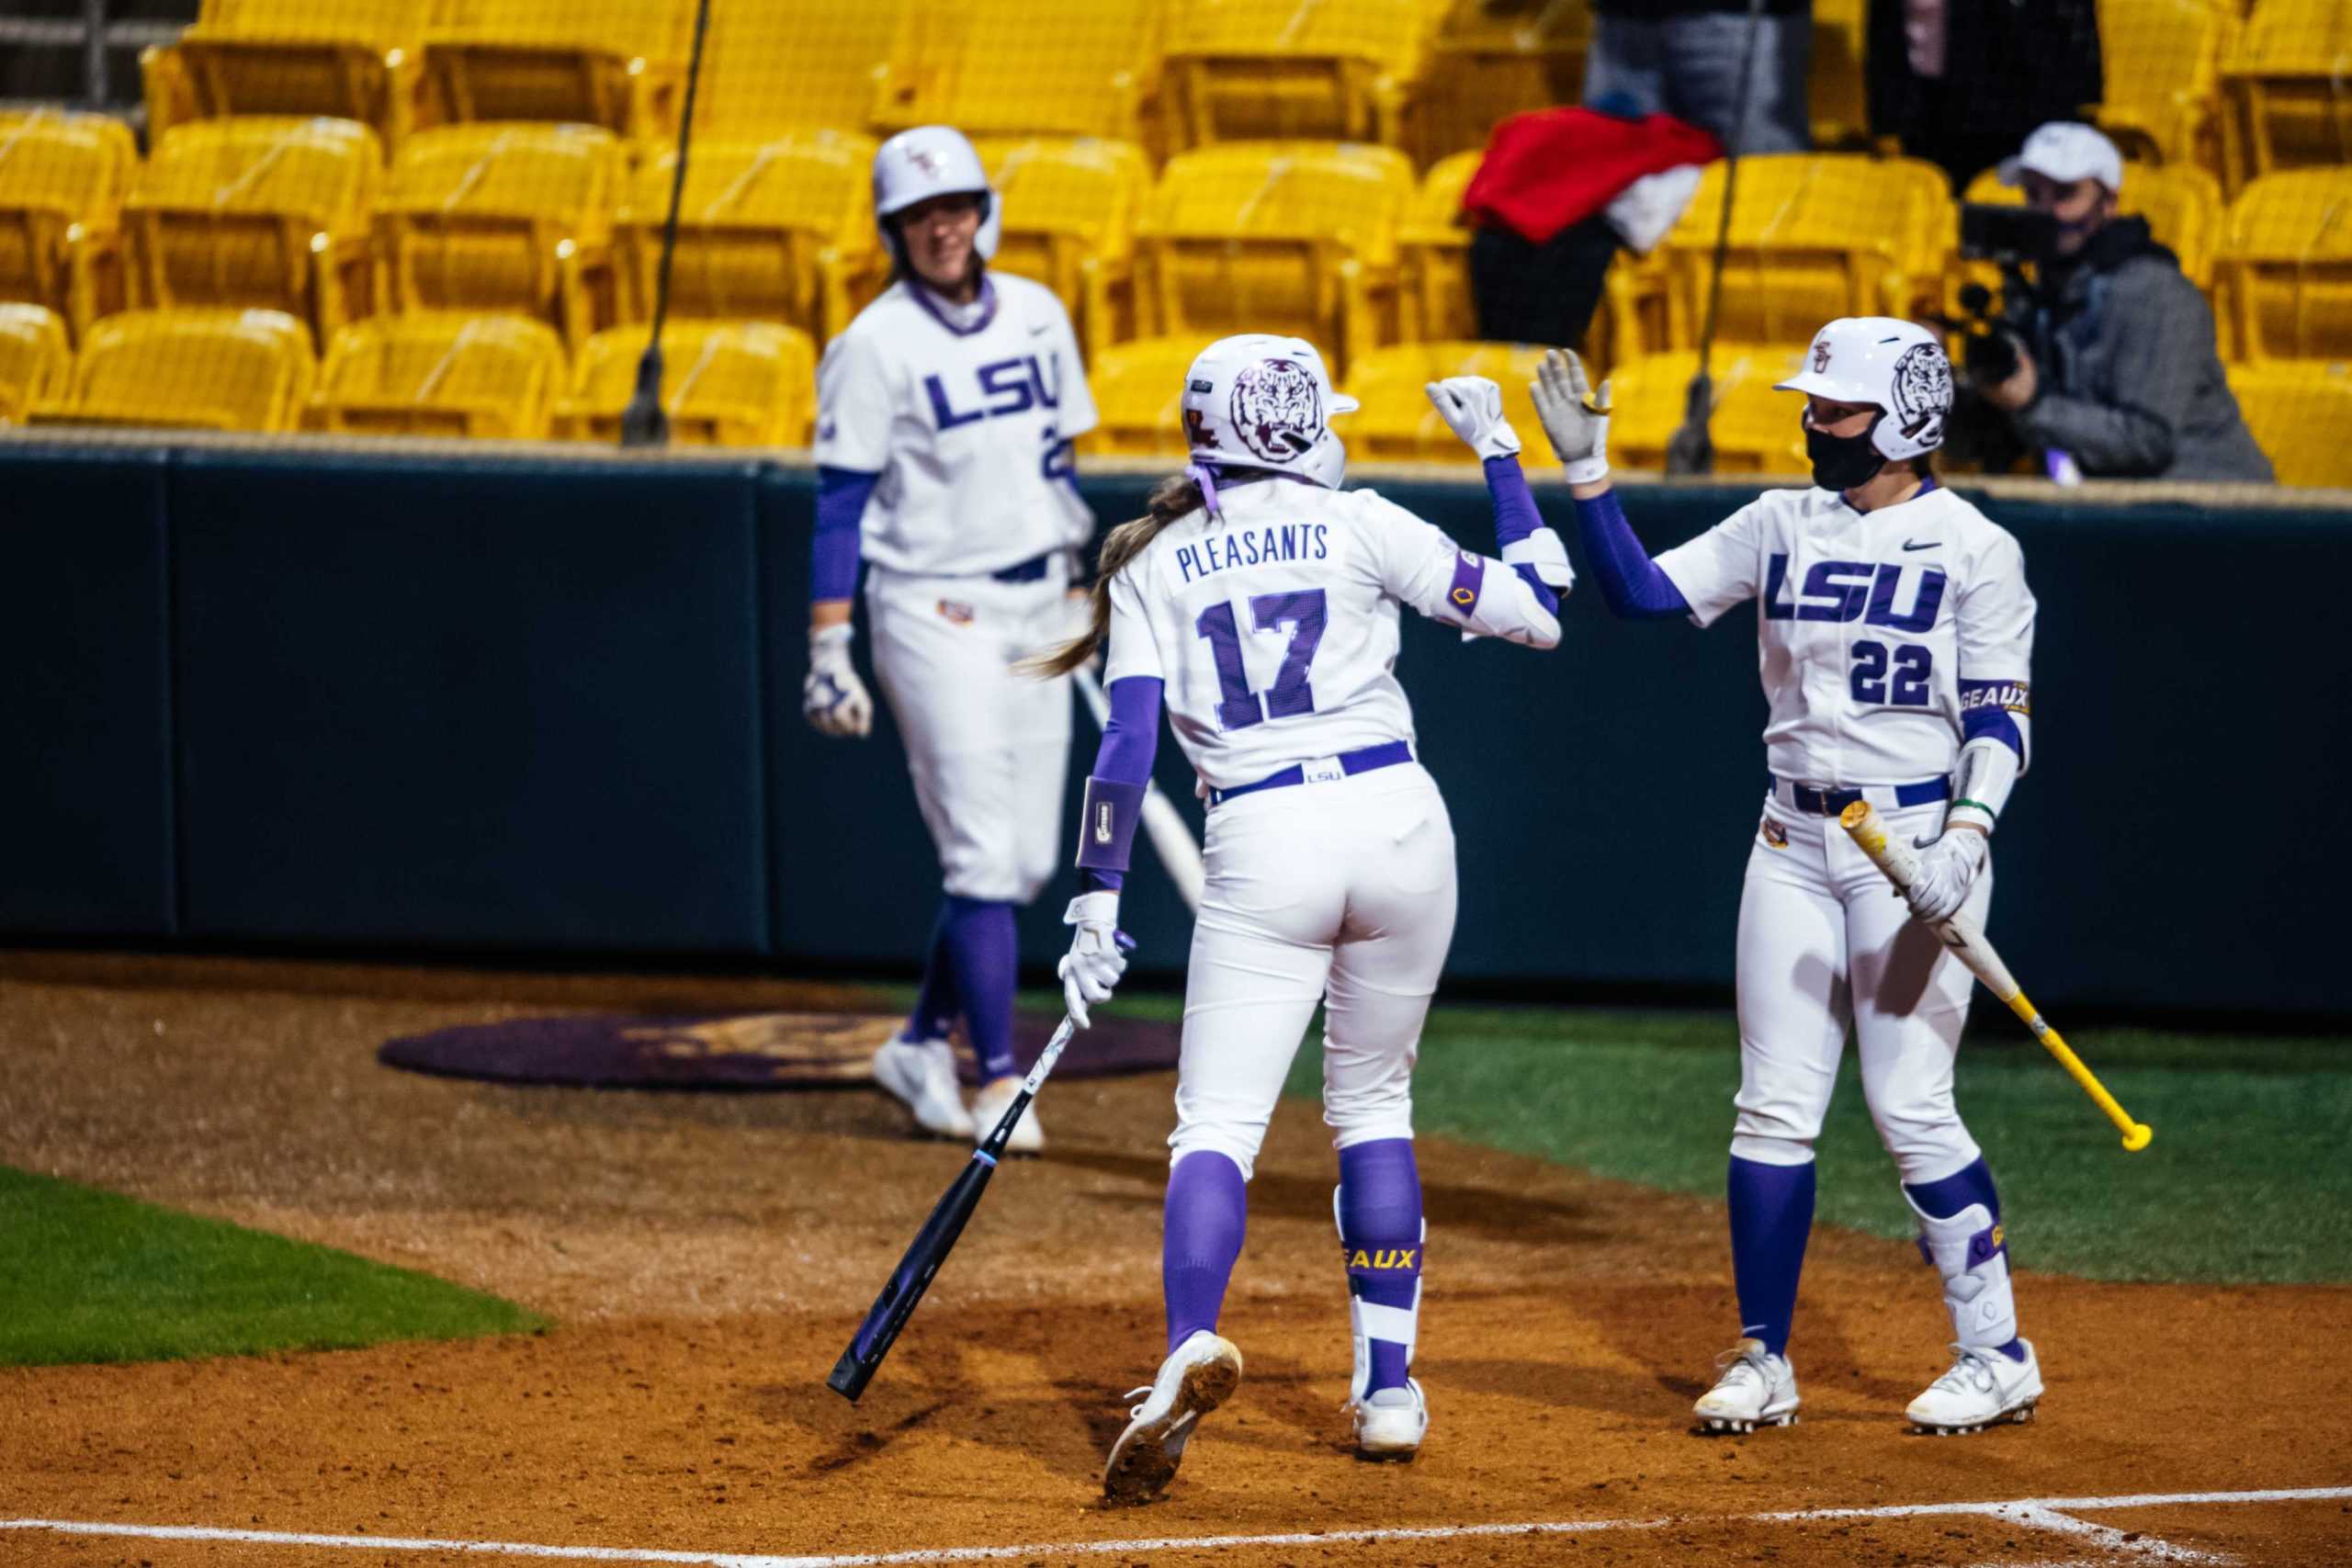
x,y
1894,635
1259,604
945,413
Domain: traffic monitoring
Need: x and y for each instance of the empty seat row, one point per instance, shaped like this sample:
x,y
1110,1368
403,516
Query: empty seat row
x,y
728,384
1167,75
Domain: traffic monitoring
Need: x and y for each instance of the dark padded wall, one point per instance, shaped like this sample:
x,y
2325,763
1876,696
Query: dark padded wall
x,y
460,703
484,703
85,780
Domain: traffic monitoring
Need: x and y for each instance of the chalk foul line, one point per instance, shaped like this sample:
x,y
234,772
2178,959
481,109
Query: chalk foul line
x,y
2051,1514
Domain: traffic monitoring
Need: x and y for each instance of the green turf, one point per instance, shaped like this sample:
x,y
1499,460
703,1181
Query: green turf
x,y
2246,1180
92,1276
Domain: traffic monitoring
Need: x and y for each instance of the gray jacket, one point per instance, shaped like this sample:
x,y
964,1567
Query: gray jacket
x,y
2131,383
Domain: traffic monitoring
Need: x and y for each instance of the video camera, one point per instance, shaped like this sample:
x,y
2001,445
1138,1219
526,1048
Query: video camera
x,y
2011,238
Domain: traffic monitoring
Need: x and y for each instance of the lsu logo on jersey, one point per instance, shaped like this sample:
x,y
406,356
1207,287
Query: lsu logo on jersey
x,y
1007,387
1775,836
1854,590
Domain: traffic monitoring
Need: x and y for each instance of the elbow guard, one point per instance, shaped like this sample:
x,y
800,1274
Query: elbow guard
x,y
1106,833
1988,771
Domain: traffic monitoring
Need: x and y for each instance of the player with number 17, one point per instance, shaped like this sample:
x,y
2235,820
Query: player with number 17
x,y
1258,604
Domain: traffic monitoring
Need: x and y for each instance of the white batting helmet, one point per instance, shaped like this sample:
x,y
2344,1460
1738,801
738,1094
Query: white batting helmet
x,y
1893,364
931,160
1261,400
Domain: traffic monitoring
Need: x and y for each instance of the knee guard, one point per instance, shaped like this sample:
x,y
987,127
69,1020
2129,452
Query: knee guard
x,y
1972,1255
1368,1320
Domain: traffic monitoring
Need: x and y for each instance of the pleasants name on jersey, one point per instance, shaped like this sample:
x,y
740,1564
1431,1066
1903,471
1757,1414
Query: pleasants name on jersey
x,y
1253,546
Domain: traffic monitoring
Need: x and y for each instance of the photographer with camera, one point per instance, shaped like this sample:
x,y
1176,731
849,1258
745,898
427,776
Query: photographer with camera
x,y
2105,359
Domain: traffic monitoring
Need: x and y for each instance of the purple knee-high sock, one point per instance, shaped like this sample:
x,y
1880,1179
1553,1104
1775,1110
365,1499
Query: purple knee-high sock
x,y
936,1005
1771,1214
983,960
1973,1183
1380,1231
1209,1208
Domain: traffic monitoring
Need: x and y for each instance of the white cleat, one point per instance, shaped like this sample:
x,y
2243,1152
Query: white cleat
x,y
1756,1389
1198,1376
1391,1423
1982,1389
922,1074
989,1107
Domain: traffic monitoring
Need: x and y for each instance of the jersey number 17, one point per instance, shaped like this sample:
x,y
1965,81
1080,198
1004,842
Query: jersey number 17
x,y
1238,707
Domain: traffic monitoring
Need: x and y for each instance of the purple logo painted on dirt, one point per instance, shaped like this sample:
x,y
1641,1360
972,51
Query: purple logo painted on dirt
x,y
1278,410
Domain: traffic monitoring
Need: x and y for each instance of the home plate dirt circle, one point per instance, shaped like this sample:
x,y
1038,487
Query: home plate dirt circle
x,y
747,1050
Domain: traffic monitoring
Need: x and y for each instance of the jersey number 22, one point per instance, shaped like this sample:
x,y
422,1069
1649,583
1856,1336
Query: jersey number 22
x,y
1239,707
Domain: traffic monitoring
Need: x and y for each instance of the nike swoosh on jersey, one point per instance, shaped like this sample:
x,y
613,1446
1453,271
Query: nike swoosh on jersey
x,y
1038,327
1927,544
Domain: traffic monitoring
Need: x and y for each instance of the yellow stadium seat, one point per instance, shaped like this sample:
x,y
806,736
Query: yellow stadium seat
x,y
778,231
1753,429
2284,277
247,370
482,218
440,375
1261,69
2299,415
2181,202
1837,101
347,59
618,64
810,66
723,383
1802,250
2163,62
1139,391
2288,106
61,182
1434,255
1396,422
265,212
1069,218
35,359
1493,58
1022,67
1291,237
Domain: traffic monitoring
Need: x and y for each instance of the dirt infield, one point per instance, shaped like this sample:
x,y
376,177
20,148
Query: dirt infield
x,y
705,1256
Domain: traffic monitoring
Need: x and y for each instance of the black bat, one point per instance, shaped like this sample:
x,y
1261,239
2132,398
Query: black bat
x,y
935,1240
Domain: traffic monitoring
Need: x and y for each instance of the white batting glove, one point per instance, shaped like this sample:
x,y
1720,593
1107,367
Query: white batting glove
x,y
1948,870
1097,955
833,699
1575,420
1472,406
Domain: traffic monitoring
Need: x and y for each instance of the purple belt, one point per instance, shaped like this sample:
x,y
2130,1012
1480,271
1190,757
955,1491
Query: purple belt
x,y
1387,755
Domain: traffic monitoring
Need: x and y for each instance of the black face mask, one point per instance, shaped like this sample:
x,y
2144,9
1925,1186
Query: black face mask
x,y
1844,462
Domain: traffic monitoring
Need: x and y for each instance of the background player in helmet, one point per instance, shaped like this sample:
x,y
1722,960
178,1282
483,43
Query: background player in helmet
x,y
945,413
1259,604
1896,633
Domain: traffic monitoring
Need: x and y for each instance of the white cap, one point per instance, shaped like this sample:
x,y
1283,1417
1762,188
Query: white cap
x,y
2066,151
931,160
1261,400
1897,366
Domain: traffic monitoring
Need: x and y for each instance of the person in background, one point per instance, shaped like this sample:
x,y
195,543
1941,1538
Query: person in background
x,y
1959,83
1683,58
2117,368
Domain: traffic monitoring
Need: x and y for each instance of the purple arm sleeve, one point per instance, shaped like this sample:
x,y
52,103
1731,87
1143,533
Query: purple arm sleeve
x,y
1631,583
841,495
1515,518
1130,742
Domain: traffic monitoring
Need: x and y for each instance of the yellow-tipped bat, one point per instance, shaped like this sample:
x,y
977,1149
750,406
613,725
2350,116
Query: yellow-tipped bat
x,y
1963,936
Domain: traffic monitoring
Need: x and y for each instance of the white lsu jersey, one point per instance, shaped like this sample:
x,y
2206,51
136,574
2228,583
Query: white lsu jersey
x,y
970,429
1274,626
1867,625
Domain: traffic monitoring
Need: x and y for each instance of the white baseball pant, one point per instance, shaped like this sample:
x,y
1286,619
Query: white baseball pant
x,y
988,745
1822,941
1340,892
